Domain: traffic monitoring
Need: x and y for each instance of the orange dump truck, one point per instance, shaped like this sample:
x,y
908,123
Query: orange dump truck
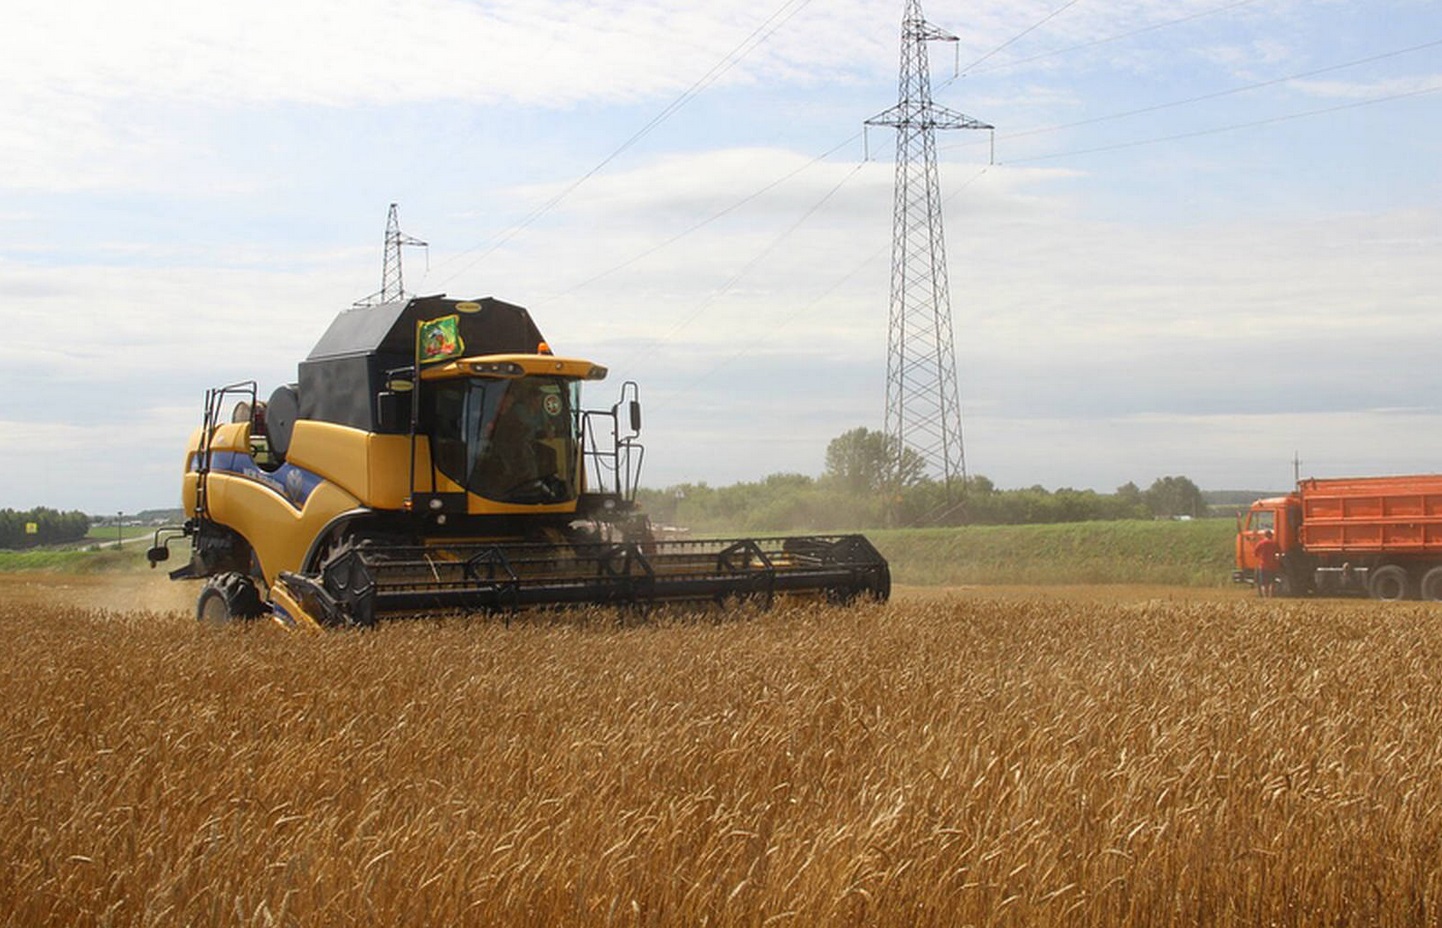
x,y
1377,536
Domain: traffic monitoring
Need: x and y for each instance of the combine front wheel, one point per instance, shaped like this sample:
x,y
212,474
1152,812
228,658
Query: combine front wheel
x,y
228,597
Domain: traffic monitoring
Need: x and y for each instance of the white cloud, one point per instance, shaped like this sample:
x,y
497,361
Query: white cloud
x,y
373,52
1059,319
1257,59
103,96
194,191
118,325
125,463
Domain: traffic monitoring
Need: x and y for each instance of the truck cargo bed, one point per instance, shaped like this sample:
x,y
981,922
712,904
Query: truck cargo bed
x,y
1373,514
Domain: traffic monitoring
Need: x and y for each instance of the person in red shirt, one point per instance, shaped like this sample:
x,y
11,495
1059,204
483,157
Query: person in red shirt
x,y
1269,562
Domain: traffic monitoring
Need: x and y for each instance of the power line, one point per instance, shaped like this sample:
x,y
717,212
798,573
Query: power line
x,y
1105,41
732,58
860,265
696,227
695,382
756,39
1233,127
736,278
778,324
740,274
1023,34
1303,75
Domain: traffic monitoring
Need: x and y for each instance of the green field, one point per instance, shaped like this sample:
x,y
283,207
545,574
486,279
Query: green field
x,y
106,534
72,559
1195,553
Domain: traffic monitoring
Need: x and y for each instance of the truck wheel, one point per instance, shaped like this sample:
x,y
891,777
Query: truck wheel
x,y
228,597
1388,583
1431,586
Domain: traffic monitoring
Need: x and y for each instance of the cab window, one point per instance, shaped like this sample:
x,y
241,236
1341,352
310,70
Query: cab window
x,y
513,441
1261,520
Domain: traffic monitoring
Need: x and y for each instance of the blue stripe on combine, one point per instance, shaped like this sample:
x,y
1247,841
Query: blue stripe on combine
x,y
293,483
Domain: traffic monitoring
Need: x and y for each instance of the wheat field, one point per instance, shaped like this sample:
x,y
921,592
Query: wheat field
x,y
945,759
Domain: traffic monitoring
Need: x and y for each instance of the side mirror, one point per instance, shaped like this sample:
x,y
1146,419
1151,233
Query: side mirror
x,y
157,554
636,415
393,412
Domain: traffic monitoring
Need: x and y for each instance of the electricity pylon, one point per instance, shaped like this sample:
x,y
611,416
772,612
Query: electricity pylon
x,y
923,409
392,287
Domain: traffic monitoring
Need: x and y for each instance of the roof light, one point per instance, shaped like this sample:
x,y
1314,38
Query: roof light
x,y
543,348
497,369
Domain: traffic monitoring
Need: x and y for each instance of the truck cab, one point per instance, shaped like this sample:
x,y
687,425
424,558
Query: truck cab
x,y
1280,515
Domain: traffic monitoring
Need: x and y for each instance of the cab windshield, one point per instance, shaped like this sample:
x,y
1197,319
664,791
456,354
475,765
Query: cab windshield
x,y
1261,520
512,441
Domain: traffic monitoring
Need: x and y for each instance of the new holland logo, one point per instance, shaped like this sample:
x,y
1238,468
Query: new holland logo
x,y
295,485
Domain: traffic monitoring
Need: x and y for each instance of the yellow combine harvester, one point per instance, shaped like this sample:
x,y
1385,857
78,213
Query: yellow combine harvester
x,y
434,457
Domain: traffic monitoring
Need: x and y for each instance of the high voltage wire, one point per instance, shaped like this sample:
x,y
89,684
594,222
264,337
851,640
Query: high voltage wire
x,y
858,267
785,13
771,186
1161,106
1233,127
758,258
1023,34
779,323
696,227
1095,42
789,9
761,34
1223,93
756,39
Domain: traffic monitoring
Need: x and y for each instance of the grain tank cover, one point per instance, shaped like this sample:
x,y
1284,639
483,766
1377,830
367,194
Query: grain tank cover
x,y
349,366
495,327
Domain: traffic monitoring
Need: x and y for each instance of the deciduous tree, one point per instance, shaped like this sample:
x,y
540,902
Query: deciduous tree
x,y
864,461
1168,497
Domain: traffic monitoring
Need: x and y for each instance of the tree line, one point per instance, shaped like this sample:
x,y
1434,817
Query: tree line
x,y
41,526
867,485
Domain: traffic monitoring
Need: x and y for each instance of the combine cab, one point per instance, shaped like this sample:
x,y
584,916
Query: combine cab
x,y
434,456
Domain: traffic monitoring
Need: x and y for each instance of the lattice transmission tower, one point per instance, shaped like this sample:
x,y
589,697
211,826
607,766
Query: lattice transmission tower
x,y
392,285
923,408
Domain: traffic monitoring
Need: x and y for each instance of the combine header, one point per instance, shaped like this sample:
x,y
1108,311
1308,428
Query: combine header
x,y
434,456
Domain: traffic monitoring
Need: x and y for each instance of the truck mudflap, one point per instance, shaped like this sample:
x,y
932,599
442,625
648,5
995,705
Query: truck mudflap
x,y
367,581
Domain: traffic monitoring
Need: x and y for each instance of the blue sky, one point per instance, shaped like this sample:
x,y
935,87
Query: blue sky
x,y
1211,237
